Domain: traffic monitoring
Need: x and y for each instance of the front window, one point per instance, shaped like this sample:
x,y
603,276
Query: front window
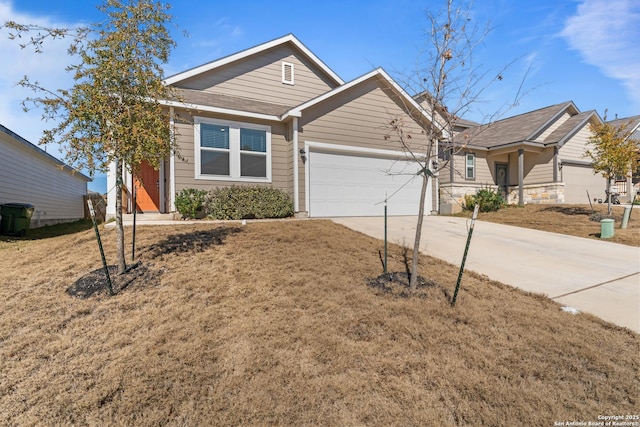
x,y
232,151
214,149
470,166
253,153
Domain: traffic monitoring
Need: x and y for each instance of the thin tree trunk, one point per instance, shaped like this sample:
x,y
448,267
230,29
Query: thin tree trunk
x,y
122,265
609,196
413,281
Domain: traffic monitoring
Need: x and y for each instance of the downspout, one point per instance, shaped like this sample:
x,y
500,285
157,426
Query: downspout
x,y
521,176
296,177
172,163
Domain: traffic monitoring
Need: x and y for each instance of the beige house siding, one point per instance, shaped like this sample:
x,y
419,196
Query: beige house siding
x,y
484,167
260,77
358,118
281,155
29,175
555,125
575,148
538,167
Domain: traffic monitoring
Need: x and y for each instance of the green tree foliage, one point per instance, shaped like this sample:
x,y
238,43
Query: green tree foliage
x,y
612,151
112,114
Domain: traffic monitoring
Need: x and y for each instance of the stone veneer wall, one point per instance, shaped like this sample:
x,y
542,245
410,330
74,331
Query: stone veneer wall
x,y
452,195
552,193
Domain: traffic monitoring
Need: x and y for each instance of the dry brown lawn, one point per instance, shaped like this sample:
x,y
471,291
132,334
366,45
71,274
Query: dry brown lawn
x,y
273,323
575,220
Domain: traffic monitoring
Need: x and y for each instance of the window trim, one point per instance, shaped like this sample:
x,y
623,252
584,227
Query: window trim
x,y
234,150
286,65
466,167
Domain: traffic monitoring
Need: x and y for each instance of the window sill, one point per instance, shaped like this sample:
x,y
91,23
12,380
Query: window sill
x,y
231,179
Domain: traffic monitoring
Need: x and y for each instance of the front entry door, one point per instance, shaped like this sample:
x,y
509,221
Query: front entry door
x,y
501,179
147,189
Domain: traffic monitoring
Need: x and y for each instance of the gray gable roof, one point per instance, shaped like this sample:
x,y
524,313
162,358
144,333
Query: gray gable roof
x,y
235,103
633,122
521,128
569,128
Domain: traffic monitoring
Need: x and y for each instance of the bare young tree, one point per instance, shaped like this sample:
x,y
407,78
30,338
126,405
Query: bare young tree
x,y
448,84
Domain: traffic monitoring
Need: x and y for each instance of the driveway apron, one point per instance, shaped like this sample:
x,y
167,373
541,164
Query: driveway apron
x,y
594,276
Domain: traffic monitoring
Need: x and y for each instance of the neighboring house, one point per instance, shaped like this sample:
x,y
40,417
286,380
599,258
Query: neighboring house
x,y
30,175
627,186
536,157
276,115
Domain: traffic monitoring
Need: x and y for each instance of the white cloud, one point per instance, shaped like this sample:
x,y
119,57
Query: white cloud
x,y
47,68
606,33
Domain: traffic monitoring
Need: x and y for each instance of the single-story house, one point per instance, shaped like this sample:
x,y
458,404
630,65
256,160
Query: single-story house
x,y
535,157
30,175
627,186
276,115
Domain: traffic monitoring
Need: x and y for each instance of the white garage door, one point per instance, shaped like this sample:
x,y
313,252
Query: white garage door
x,y
580,179
355,185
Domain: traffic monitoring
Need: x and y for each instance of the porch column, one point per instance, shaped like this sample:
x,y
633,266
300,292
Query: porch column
x,y
451,168
555,164
521,176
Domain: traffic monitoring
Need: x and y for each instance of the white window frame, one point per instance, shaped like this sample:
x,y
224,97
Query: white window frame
x,y
466,167
293,69
234,150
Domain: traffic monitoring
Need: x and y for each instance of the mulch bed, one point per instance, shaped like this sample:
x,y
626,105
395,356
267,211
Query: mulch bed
x,y
95,282
396,284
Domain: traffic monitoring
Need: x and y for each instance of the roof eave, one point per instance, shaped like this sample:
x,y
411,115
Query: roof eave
x,y
218,110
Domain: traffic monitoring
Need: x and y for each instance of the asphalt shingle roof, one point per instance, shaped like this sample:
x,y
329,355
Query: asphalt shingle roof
x,y
228,102
513,129
569,125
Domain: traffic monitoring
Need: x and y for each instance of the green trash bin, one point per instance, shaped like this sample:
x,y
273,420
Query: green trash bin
x,y
16,218
606,228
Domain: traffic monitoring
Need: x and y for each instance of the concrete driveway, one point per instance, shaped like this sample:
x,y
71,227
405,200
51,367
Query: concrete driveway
x,y
590,275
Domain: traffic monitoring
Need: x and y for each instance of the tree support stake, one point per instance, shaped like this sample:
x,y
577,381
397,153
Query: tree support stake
x,y
104,260
464,257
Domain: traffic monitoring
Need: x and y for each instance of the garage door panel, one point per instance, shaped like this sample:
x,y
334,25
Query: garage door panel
x,y
355,185
578,180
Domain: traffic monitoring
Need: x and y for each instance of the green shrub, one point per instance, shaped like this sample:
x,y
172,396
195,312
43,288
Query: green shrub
x,y
248,202
190,201
489,200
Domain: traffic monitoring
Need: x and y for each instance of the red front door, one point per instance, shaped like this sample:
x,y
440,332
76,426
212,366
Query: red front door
x,y
147,189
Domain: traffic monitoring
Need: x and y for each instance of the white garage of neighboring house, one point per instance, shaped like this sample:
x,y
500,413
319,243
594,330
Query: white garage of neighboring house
x,y
29,175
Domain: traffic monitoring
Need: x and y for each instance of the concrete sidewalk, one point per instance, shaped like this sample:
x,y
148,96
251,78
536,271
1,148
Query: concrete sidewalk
x,y
590,275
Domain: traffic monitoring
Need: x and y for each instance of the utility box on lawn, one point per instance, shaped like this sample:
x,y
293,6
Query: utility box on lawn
x,y
606,228
16,218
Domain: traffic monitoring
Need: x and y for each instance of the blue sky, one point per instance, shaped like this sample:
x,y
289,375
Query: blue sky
x,y
580,50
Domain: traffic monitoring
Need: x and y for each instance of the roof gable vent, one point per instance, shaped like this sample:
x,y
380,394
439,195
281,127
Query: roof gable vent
x,y
287,73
